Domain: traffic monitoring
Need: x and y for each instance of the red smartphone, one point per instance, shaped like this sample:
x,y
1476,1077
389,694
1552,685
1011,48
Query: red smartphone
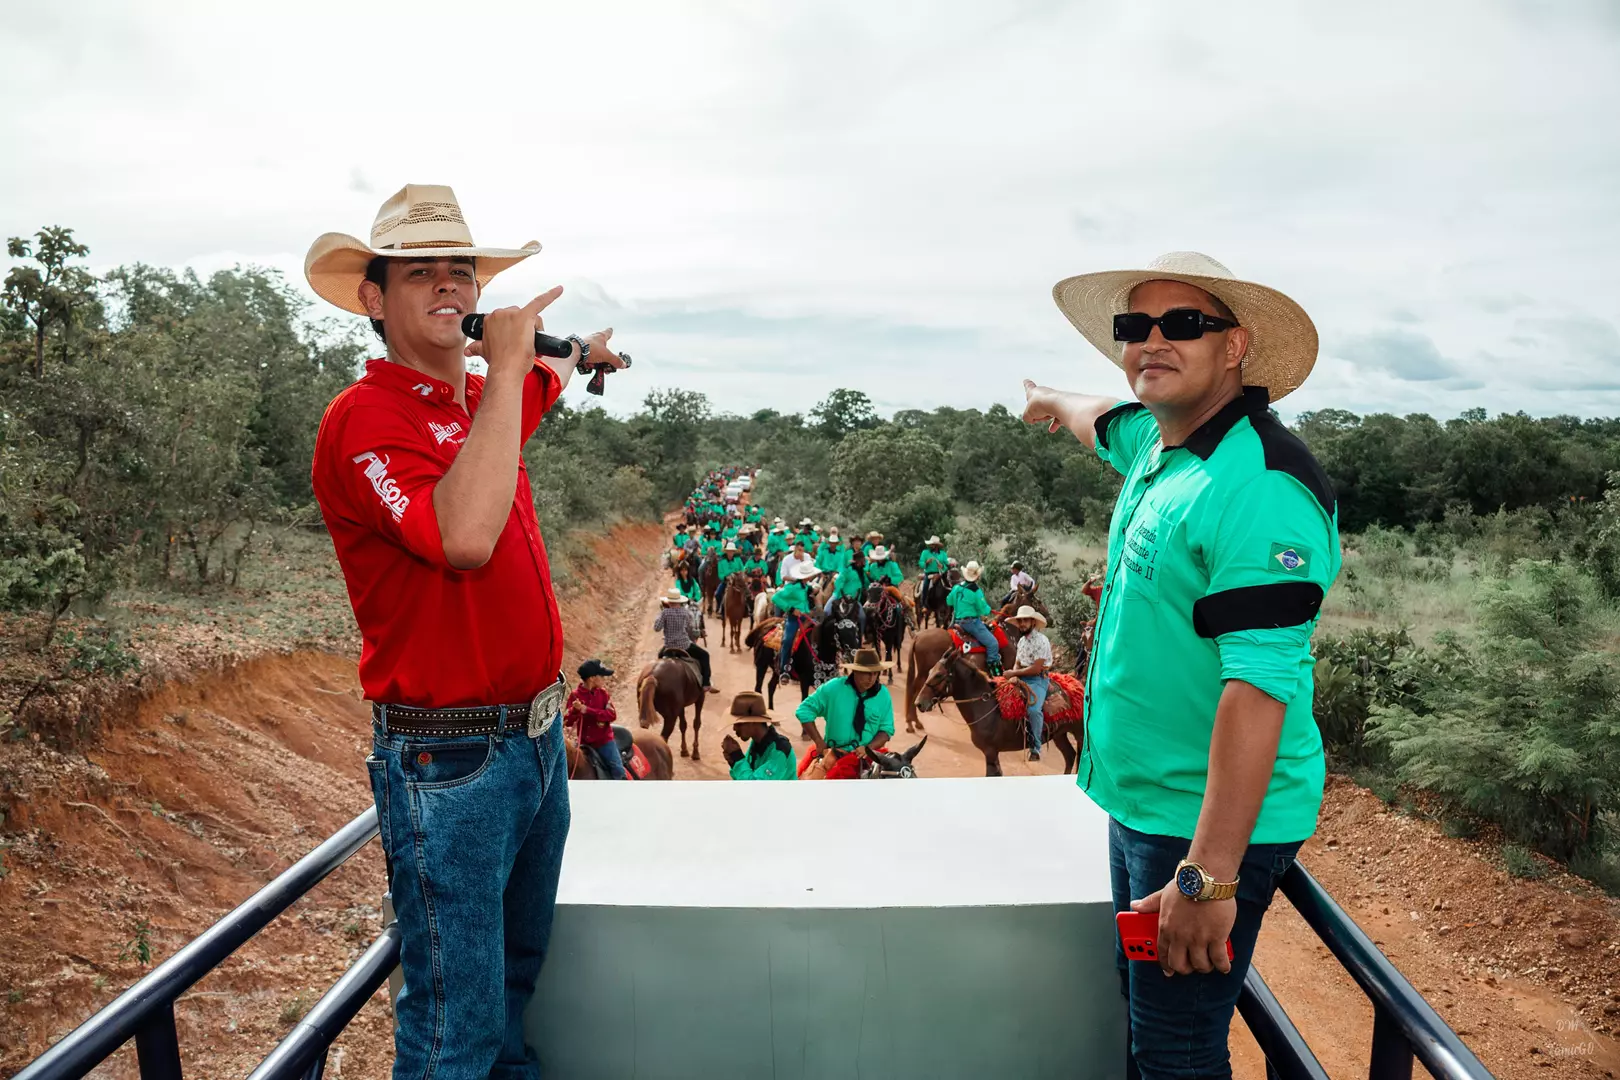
x,y
1139,933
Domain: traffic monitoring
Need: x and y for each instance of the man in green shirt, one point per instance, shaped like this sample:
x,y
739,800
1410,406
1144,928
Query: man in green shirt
x,y
731,562
807,535
709,547
873,539
754,515
769,755
1200,741
777,542
857,708
969,609
793,601
881,568
932,561
832,556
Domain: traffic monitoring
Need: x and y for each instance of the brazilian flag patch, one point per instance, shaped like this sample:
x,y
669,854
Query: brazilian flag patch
x,y
1290,559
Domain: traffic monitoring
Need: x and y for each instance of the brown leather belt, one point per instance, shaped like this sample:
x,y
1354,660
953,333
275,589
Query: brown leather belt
x,y
534,718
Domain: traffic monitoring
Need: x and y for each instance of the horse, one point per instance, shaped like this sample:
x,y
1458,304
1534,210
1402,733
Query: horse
x,y
810,665
927,646
738,603
931,600
886,621
882,765
655,749
665,688
843,613
955,676
1024,595
709,582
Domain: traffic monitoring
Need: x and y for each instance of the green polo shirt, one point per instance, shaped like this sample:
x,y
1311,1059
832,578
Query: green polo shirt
x,y
729,565
1219,554
887,571
834,701
848,583
934,562
967,602
776,544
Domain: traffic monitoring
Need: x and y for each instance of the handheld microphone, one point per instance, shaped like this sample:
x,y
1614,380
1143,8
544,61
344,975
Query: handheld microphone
x,y
544,344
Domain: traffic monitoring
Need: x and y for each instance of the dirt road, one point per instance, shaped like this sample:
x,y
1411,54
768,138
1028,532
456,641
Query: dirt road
x,y
1428,900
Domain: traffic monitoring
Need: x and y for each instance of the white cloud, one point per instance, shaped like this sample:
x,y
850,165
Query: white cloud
x,y
873,195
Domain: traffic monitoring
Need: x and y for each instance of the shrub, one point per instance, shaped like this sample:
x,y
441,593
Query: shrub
x,y
1521,862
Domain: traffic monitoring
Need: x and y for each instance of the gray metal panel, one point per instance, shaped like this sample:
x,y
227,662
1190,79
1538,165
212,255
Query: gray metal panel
x,y
812,993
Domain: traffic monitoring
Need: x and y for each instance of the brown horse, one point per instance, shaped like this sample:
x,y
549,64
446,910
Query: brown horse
x,y
927,646
955,676
654,748
1024,596
739,604
665,688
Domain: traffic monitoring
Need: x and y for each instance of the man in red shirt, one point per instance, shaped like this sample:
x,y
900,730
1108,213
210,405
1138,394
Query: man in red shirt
x,y
419,475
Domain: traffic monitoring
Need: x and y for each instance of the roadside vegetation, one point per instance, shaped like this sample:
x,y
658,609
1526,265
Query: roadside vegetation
x,y
155,439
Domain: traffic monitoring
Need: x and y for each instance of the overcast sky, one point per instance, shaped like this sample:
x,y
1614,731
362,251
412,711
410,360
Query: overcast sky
x,y
770,200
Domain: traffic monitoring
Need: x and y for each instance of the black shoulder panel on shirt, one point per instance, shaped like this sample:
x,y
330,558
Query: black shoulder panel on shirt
x,y
1257,607
1286,453
1108,418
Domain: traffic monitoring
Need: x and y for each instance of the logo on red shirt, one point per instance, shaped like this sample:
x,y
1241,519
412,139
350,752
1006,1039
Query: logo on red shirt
x,y
387,490
443,433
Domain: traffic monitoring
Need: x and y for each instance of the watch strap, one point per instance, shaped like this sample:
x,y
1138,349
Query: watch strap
x,y
1218,890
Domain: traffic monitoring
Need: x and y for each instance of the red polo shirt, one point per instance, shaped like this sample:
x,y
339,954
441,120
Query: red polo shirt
x,y
431,635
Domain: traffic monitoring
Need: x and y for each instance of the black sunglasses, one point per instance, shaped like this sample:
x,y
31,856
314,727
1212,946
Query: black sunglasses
x,y
1182,324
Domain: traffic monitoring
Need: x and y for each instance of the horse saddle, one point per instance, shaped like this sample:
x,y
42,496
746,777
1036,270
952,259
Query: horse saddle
x,y
635,762
673,653
969,646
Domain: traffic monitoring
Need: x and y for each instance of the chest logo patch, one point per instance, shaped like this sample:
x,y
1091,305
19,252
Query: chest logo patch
x,y
443,433
1288,559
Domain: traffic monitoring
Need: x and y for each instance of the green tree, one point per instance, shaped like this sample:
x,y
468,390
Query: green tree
x,y
883,463
909,520
842,412
48,294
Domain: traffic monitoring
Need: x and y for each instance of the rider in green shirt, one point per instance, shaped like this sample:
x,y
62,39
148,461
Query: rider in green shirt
x,y
881,568
832,556
857,708
777,542
934,558
793,601
807,535
769,755
969,608
730,563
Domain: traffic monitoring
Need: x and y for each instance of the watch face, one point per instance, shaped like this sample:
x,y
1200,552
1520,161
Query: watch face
x,y
1189,881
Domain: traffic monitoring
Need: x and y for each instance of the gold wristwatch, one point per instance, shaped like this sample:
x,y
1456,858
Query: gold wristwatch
x,y
1196,883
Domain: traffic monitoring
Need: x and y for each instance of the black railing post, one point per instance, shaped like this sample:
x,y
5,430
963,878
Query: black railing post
x,y
1391,1052
157,1046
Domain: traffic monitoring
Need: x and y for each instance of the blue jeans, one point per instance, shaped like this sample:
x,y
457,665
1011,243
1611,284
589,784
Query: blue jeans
x,y
1180,1025
609,753
790,631
1034,718
473,830
975,629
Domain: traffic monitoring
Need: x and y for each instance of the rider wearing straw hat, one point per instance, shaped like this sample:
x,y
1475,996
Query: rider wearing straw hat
x,y
1223,543
419,475
681,623
793,601
769,755
857,708
1033,663
881,568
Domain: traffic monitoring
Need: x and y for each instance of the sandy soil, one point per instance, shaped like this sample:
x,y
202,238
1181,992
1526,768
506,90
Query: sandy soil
x,y
204,791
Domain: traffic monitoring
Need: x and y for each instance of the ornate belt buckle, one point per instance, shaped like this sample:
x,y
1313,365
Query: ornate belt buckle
x,y
544,708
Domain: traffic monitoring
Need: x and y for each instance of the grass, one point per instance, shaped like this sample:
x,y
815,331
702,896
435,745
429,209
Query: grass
x,y
294,1008
1521,862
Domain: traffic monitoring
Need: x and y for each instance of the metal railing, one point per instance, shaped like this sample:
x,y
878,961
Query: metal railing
x,y
145,1012
1405,1026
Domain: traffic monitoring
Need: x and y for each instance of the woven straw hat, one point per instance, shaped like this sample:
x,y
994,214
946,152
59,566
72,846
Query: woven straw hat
x,y
1027,612
674,596
1282,338
935,539
880,553
972,570
804,572
420,221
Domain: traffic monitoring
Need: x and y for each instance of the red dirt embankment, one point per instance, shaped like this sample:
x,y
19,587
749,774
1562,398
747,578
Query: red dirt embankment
x,y
192,798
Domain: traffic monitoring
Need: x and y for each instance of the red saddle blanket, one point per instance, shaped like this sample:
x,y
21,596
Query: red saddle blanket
x,y
1065,701
970,646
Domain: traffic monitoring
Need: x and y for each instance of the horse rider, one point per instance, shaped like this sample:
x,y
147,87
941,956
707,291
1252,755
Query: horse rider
x,y
589,713
776,543
1031,668
832,556
969,609
1019,579
687,583
791,561
933,561
753,564
793,601
731,562
769,755
807,534
709,546
873,539
849,585
858,711
880,568
681,623
678,541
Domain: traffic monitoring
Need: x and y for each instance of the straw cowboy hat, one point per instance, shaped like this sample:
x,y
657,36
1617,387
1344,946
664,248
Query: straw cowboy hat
x,y
932,540
806,523
874,535
832,537
804,572
972,570
880,554
867,660
748,706
778,527
1282,338
420,221
1027,612
674,596
731,545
